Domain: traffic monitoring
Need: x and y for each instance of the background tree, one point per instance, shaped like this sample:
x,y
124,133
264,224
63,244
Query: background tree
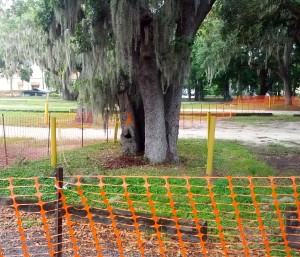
x,y
266,29
23,40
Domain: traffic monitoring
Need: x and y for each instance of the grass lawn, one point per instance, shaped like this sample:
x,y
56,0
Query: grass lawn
x,y
35,104
256,120
231,159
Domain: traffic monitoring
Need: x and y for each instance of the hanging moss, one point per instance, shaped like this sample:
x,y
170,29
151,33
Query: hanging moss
x,y
100,37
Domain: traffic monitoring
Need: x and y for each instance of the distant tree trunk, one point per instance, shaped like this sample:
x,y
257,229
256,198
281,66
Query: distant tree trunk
x,y
263,77
284,63
287,89
11,86
190,94
239,86
199,92
68,94
226,86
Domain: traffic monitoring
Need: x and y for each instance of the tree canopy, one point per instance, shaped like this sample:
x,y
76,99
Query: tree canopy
x,y
257,44
133,53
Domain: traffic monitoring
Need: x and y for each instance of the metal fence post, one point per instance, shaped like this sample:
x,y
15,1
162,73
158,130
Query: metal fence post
x,y
49,129
116,129
53,142
81,126
58,214
46,114
210,146
4,140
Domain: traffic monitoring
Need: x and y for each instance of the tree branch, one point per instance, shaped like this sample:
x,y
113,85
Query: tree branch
x,y
192,16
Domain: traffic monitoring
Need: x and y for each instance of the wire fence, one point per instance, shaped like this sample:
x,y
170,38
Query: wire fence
x,y
150,216
26,136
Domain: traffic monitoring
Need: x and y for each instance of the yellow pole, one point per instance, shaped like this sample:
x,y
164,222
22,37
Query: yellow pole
x,y
116,130
46,113
53,142
269,102
208,125
211,143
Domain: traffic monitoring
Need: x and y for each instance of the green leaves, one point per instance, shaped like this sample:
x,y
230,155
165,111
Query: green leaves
x,y
44,15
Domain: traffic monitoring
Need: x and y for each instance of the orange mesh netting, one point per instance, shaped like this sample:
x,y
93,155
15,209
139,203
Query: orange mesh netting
x,y
150,216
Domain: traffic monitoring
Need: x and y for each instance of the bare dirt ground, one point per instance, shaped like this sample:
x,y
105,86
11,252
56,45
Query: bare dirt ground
x,y
79,240
269,132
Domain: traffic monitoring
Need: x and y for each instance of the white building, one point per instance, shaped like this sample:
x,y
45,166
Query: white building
x,y
36,81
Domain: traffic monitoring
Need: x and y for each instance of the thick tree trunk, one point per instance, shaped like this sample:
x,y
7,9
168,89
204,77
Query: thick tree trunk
x,y
172,112
132,124
153,101
161,105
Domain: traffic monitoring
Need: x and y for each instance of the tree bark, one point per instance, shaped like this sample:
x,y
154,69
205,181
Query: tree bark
x,y
162,109
190,94
172,112
11,86
239,86
263,74
284,63
132,119
199,92
153,101
287,90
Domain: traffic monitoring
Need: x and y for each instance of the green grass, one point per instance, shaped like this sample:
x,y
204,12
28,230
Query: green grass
x,y
230,159
35,104
256,120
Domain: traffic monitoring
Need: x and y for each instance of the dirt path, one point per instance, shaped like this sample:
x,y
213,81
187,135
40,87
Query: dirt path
x,y
34,237
267,132
285,133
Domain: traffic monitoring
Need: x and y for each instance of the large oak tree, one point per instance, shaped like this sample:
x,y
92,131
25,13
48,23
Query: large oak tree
x,y
135,53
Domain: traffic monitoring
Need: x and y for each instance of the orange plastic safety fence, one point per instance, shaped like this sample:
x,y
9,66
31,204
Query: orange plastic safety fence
x,y
150,216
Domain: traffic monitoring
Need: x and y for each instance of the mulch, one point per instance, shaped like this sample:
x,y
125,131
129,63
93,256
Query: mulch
x,y
83,239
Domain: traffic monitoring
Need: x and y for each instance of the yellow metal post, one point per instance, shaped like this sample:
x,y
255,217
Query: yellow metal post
x,y
53,142
211,143
46,113
116,130
208,125
269,102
